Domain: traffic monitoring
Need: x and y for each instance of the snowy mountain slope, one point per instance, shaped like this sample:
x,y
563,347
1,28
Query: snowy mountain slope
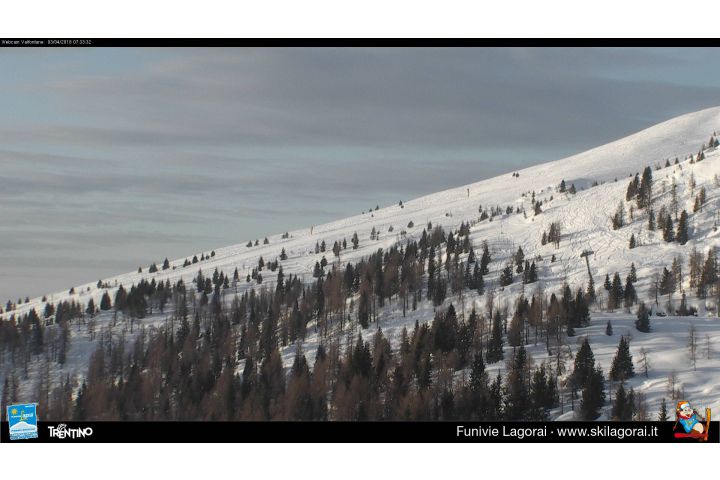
x,y
677,137
585,219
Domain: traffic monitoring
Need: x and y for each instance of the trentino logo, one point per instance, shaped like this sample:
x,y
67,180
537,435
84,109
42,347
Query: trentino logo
x,y
22,419
62,432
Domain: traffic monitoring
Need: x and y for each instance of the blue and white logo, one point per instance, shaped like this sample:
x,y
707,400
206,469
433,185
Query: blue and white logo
x,y
22,420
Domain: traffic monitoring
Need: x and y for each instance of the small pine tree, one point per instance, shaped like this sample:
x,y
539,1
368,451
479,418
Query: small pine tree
x,y
506,278
643,318
682,228
663,414
495,345
651,220
622,365
668,229
622,405
105,302
583,366
608,329
593,395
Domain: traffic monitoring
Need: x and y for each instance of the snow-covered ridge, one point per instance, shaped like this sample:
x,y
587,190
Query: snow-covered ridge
x,y
677,137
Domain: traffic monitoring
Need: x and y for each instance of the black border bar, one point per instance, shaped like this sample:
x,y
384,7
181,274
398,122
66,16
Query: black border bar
x,y
362,432
81,42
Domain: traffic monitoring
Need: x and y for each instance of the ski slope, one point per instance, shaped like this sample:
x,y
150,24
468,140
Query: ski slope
x,y
585,219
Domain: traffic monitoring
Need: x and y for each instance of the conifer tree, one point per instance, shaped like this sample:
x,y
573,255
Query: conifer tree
x,y
667,283
478,280
651,220
364,309
519,259
517,403
663,414
622,365
616,294
709,275
630,293
317,271
643,318
478,378
618,220
590,293
632,188
506,278
583,366
644,195
105,302
495,411
608,329
632,276
530,273
495,345
543,394
668,233
485,260
623,407
593,395
682,228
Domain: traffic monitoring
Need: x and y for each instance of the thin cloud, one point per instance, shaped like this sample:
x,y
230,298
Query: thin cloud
x,y
128,155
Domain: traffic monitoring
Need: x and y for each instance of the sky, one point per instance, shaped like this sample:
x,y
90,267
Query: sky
x,y
114,158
